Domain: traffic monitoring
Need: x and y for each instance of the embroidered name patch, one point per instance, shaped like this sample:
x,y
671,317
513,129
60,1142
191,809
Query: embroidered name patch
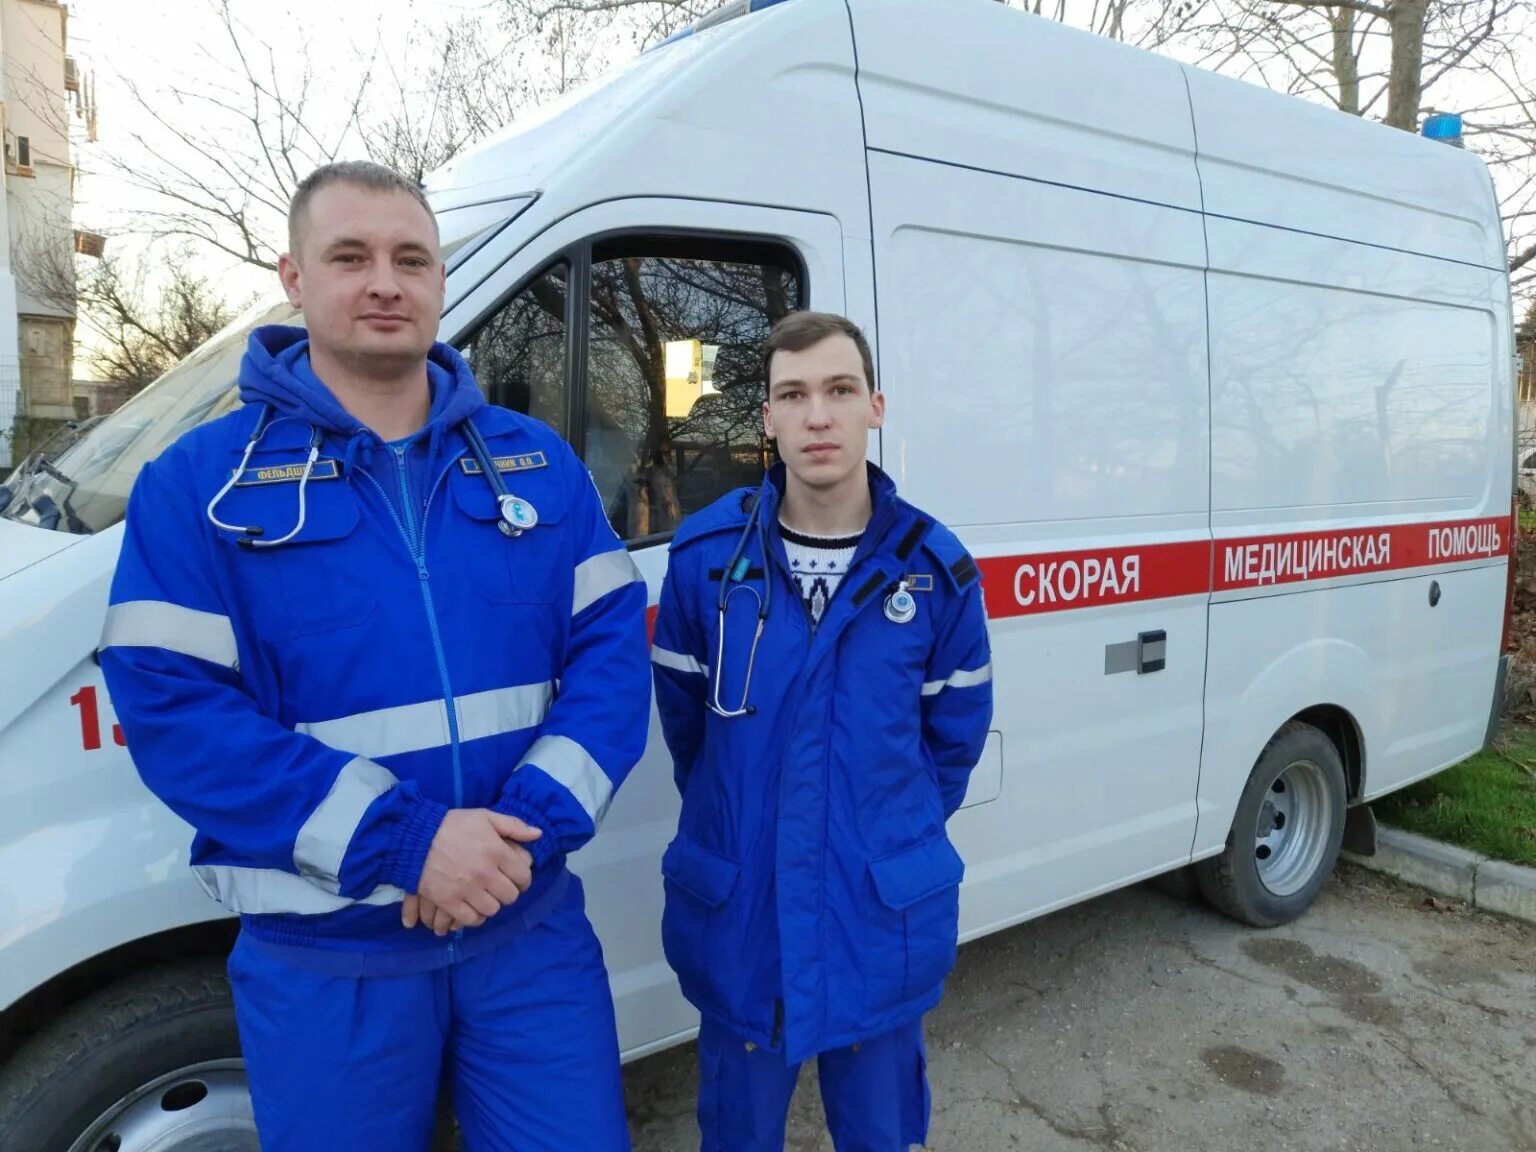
x,y
921,582
326,469
522,463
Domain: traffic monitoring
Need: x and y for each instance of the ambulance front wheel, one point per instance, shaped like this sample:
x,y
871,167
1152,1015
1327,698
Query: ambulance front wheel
x,y
152,1062
1286,835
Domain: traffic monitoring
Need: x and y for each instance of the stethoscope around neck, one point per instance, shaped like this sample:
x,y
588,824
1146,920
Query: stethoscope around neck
x,y
516,515
250,535
731,578
900,608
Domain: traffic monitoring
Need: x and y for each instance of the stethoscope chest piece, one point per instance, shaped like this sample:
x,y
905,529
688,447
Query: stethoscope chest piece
x,y
900,605
517,515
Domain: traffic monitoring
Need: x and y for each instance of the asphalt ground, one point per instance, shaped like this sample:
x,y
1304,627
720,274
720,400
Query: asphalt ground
x,y
1144,1020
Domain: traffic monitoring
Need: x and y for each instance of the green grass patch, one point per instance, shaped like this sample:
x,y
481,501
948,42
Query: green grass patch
x,y
1528,521
1487,803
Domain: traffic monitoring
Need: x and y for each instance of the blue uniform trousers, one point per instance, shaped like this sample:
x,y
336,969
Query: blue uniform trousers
x,y
522,1036
875,1093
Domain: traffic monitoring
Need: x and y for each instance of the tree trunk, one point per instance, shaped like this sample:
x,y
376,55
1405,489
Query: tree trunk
x,y
1346,65
1406,19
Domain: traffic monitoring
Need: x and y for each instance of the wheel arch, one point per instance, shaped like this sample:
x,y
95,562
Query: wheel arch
x,y
1340,726
23,1019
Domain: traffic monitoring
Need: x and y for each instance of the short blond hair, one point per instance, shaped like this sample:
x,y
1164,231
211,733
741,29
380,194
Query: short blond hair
x,y
360,174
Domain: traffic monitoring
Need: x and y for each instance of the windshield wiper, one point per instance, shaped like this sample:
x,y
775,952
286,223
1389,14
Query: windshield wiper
x,y
63,502
16,482
50,509
46,465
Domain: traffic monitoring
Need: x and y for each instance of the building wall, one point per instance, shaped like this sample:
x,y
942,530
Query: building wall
x,y
10,381
43,242
47,354
32,39
10,360
37,313
95,398
40,199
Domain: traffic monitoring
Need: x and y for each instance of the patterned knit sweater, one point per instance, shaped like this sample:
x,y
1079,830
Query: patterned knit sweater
x,y
818,564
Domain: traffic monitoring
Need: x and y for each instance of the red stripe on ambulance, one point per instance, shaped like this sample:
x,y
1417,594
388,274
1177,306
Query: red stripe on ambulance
x,y
1057,581
1261,561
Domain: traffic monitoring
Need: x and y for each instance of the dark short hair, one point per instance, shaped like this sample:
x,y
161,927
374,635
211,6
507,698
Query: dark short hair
x,y
360,174
800,330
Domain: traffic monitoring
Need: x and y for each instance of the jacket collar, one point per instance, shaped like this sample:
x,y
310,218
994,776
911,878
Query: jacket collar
x,y
887,510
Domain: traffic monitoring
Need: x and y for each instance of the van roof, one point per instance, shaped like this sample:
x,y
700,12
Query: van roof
x,y
974,83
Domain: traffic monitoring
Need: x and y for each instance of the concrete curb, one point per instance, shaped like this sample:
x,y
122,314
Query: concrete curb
x,y
1446,870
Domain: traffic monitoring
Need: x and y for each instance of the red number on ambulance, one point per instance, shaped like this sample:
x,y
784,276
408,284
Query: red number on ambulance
x,y
90,721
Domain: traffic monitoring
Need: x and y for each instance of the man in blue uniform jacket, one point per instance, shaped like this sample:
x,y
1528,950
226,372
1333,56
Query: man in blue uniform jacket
x,y
824,681
375,640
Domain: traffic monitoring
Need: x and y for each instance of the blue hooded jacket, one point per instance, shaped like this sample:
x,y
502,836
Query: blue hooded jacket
x,y
315,708
812,893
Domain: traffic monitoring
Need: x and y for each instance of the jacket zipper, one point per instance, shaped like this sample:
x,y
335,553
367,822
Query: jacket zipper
x,y
417,543
406,523
426,513
866,548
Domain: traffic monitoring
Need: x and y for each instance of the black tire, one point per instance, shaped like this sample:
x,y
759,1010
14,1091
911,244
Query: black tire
x,y
1232,881
109,1046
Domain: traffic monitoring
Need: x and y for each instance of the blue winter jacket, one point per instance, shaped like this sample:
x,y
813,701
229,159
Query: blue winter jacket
x,y
314,709
812,894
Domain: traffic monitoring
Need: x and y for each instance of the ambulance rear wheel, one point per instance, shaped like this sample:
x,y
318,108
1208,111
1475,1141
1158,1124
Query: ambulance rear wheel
x,y
1286,835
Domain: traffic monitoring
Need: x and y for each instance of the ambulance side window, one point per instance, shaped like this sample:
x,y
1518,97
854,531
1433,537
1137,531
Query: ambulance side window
x,y
519,352
672,409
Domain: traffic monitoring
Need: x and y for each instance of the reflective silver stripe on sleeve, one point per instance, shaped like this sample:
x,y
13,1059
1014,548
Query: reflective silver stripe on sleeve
x,y
260,891
160,624
677,661
961,679
601,574
572,766
416,727
322,841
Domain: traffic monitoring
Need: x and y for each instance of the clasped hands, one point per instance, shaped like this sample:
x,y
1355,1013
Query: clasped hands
x,y
477,865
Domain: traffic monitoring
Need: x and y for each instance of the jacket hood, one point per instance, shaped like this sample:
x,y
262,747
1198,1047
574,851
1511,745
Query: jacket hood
x,y
276,371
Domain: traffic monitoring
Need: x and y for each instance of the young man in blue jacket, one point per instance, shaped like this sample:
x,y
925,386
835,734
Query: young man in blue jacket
x,y
824,681
375,640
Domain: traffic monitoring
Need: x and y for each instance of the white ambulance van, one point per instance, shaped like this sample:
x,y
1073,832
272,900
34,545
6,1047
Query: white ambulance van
x,y
1215,384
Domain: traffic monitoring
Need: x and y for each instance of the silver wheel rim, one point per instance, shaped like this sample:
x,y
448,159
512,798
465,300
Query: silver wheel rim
x,y
1294,822
201,1108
